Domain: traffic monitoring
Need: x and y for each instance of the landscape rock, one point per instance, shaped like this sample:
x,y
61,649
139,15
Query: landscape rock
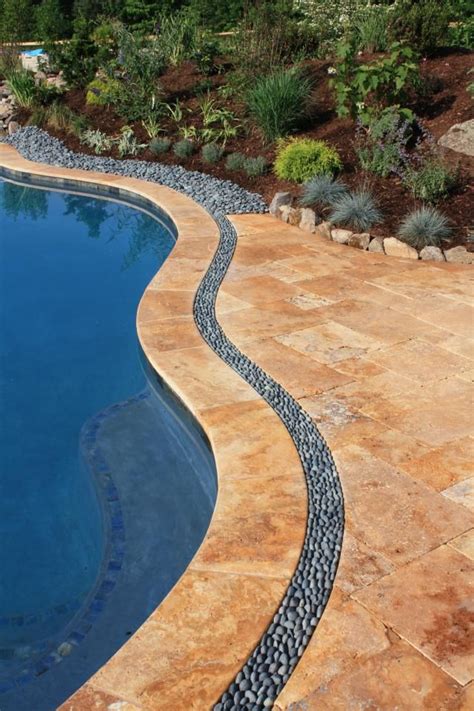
x,y
396,248
324,230
13,127
294,216
433,254
376,245
279,200
360,240
459,255
460,138
341,236
308,220
5,110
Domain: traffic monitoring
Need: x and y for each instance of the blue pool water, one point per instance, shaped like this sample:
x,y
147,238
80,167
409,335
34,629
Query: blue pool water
x,y
75,403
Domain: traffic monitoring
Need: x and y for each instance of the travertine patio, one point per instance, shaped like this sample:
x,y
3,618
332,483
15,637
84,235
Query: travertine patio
x,y
379,351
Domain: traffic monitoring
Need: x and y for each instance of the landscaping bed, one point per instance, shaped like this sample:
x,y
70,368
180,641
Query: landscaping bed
x,y
182,97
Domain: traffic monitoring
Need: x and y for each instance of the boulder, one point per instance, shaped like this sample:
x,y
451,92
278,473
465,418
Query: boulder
x,y
308,220
396,248
459,255
376,245
279,200
290,215
6,110
360,240
460,138
13,127
341,236
433,254
324,230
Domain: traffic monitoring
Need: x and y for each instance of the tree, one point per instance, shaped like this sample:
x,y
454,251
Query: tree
x,y
17,20
51,24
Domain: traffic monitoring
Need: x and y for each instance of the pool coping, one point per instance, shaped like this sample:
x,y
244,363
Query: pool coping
x,y
194,644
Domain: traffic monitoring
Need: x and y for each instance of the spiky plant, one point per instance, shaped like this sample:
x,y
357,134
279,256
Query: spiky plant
x,y
160,145
357,210
255,166
424,227
235,161
184,148
211,153
322,190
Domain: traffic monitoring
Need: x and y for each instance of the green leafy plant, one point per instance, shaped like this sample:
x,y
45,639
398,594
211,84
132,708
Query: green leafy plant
x,y
301,159
364,90
151,124
254,167
357,210
79,58
322,190
211,153
382,145
98,141
176,112
127,144
219,124
422,24
178,36
60,117
278,103
235,161
431,181
160,145
424,227
184,148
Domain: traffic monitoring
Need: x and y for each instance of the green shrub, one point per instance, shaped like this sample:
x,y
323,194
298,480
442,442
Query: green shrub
x,y
432,181
301,159
322,190
422,24
235,161
278,103
211,153
51,23
381,146
78,59
62,118
357,210
254,167
101,91
424,227
160,145
365,90
461,27
184,148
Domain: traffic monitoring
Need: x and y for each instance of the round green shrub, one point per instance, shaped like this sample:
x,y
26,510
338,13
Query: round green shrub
x,y
184,148
300,159
235,161
211,153
101,92
158,146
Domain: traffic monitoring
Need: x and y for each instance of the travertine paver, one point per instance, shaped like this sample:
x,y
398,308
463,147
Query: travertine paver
x,y
395,634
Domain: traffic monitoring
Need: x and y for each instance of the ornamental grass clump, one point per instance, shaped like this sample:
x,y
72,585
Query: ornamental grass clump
x,y
158,146
300,159
357,210
425,227
235,161
322,190
211,153
254,167
278,103
184,148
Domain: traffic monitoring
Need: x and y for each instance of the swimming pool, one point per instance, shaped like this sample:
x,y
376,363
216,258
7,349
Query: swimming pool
x,y
107,485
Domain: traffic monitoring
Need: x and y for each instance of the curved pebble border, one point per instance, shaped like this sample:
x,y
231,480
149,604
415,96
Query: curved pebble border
x,y
274,659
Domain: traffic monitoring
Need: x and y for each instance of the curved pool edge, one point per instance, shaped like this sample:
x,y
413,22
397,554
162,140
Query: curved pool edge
x,y
189,650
